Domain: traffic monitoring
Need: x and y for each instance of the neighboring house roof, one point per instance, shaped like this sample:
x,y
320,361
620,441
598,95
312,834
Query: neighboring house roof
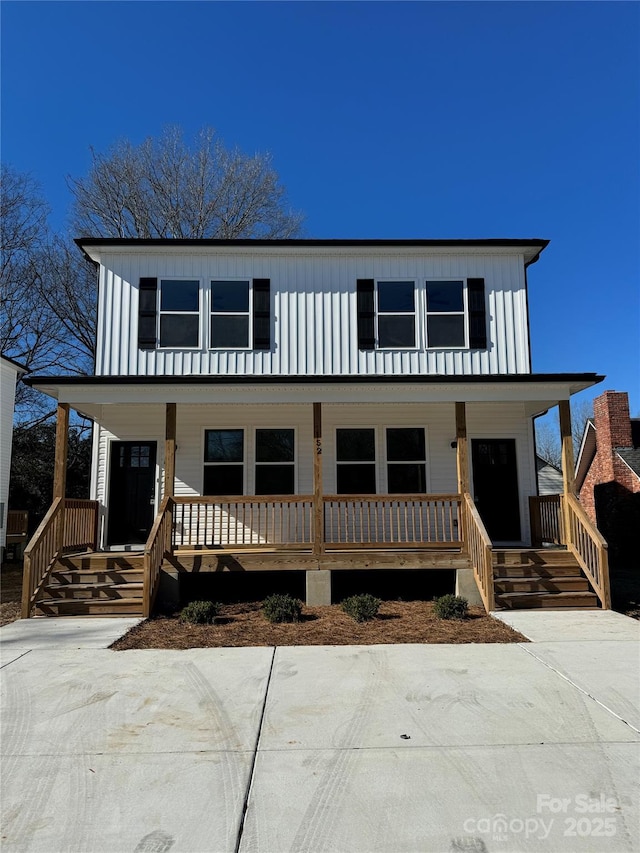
x,y
550,480
586,453
629,455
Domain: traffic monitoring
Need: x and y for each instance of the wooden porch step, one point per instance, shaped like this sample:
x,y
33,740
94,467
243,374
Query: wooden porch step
x,y
551,584
105,560
536,571
67,591
533,557
88,576
90,607
539,600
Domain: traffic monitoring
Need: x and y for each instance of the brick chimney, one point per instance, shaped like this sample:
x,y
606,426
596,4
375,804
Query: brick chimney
x,y
613,428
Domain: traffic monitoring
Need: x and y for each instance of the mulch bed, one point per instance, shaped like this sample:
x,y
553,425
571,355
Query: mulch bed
x,y
10,592
244,625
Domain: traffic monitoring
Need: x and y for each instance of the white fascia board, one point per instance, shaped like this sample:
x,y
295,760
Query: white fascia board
x,y
101,254
543,394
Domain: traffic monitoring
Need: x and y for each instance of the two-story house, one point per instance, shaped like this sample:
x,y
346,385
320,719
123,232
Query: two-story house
x,y
313,405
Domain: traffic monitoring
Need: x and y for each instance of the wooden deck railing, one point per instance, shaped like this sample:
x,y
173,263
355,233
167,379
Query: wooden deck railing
x,y
157,547
588,546
479,548
17,524
69,525
545,512
392,521
285,521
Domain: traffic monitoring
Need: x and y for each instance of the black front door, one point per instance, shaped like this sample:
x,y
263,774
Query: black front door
x,y
495,487
132,481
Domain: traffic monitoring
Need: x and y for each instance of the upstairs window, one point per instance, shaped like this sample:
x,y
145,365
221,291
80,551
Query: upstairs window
x,y
406,461
356,461
446,327
396,315
275,462
179,313
223,462
230,315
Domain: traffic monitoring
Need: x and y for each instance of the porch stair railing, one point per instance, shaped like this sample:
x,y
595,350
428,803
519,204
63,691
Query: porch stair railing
x,y
589,548
560,519
70,525
158,545
479,548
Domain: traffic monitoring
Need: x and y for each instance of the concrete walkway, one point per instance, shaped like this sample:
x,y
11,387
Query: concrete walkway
x,y
521,747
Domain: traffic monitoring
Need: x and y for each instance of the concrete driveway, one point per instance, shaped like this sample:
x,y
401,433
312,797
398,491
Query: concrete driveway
x,y
528,747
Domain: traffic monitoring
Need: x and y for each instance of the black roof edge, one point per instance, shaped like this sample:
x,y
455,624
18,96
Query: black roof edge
x,y
314,379
15,363
193,241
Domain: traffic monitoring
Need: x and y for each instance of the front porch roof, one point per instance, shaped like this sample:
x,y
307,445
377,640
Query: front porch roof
x,y
539,391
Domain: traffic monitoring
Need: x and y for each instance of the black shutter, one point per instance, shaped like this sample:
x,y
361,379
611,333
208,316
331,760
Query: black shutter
x,y
366,315
262,313
477,314
147,313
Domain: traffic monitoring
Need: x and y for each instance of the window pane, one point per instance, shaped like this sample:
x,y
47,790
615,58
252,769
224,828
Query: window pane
x,y
356,479
444,296
274,445
406,479
229,331
223,480
395,296
405,443
179,295
179,330
355,445
274,480
445,331
396,331
223,445
229,295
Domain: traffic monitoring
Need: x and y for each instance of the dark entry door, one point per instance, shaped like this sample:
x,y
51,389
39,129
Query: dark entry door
x,y
132,480
495,487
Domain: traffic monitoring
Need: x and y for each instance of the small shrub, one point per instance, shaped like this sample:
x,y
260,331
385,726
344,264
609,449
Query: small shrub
x,y
451,607
282,608
200,612
361,607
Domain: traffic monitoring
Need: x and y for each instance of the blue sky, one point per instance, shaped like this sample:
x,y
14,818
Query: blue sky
x,y
388,120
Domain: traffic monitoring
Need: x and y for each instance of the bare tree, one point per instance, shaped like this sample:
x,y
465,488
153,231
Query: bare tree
x,y
165,188
548,443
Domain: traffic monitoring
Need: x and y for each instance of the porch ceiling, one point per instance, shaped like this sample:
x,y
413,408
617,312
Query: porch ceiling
x,y
538,391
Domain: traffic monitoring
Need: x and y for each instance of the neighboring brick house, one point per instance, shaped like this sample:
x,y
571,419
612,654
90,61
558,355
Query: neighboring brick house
x,y
608,473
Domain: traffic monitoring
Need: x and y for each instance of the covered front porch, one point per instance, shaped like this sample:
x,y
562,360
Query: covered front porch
x,y
320,529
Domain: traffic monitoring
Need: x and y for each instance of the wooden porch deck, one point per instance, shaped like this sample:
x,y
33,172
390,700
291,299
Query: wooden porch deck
x,y
253,533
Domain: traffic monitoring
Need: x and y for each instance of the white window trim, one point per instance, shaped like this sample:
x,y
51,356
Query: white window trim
x,y
160,312
245,458
255,462
377,312
211,313
464,313
387,461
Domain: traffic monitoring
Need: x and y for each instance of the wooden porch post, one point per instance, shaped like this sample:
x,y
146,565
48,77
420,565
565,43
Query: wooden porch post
x,y
60,469
62,444
462,450
568,464
318,508
170,450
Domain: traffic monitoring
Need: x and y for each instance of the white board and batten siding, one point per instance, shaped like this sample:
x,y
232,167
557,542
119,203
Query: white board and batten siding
x,y
313,312
146,423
